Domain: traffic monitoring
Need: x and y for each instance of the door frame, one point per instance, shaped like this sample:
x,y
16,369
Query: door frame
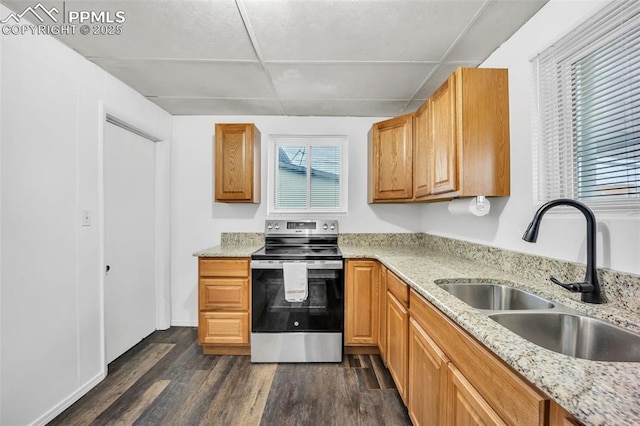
x,y
111,115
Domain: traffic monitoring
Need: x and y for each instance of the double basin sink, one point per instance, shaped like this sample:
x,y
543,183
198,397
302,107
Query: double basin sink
x,y
549,324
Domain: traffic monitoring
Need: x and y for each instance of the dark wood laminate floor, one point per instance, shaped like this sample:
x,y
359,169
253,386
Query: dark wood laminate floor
x,y
166,380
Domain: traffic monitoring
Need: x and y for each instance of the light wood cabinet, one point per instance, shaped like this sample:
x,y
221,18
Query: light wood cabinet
x,y
361,302
422,151
470,135
467,407
224,328
382,310
443,375
224,305
459,146
397,332
237,163
481,387
428,378
397,353
390,160
444,164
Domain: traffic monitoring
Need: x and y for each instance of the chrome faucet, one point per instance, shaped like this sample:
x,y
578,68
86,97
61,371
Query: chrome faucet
x,y
590,288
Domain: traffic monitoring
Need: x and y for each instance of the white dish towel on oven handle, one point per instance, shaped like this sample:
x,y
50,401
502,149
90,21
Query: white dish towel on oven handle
x,y
296,286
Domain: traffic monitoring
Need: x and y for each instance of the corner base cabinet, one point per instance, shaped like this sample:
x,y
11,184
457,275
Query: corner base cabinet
x,y
223,305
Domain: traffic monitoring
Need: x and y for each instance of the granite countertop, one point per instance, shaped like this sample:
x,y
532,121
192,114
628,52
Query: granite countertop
x,y
594,392
231,250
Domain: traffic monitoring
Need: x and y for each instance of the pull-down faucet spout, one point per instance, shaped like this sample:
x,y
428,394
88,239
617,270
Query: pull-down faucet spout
x,y
590,288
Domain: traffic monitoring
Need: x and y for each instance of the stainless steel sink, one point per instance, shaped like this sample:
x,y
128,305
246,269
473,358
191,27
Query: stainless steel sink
x,y
574,335
495,297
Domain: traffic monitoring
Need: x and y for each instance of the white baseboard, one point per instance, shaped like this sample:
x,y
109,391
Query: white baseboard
x,y
68,401
184,323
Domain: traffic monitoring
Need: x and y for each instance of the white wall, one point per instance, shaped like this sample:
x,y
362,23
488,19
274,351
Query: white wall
x,y
52,111
197,221
561,235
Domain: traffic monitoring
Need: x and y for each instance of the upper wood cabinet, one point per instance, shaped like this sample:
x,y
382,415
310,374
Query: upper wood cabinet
x,y
361,303
237,163
458,147
422,151
390,160
470,135
444,160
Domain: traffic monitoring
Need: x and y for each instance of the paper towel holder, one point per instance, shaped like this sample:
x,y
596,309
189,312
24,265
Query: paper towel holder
x,y
481,202
476,206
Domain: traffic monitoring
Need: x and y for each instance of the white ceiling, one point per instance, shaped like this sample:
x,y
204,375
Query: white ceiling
x,y
294,57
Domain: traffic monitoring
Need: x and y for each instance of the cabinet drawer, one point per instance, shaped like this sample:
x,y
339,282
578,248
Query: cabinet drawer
x,y
231,328
398,288
224,268
230,294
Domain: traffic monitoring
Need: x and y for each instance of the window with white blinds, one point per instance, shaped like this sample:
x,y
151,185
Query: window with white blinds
x,y
307,174
588,100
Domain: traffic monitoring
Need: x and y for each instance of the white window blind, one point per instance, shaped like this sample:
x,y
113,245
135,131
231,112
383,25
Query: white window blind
x,y
588,100
308,174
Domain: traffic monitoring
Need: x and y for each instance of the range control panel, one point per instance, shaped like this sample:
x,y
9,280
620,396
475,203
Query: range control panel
x,y
301,227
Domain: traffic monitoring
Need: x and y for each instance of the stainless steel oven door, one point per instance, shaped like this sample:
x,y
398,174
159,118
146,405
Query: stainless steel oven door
x,y
309,331
323,310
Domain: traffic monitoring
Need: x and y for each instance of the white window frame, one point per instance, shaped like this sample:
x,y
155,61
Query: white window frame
x,y
311,140
591,35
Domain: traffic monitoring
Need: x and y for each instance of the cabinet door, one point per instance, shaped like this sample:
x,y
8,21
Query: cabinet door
x,y
422,156
382,309
397,343
467,407
391,160
427,379
231,328
235,162
445,152
361,302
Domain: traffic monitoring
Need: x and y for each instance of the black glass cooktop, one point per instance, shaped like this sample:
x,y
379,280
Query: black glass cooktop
x,y
297,252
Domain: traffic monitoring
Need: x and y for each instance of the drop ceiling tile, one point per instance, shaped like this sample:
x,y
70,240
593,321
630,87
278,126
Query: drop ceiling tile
x,y
191,78
348,80
498,21
439,77
342,108
192,29
212,106
389,30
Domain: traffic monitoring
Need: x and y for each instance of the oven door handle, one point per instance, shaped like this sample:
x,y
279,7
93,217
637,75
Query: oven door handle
x,y
311,264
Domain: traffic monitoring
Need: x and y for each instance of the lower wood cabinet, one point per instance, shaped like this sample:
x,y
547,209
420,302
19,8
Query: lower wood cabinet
x,y
397,332
397,343
223,305
428,372
361,303
382,309
466,406
481,388
224,328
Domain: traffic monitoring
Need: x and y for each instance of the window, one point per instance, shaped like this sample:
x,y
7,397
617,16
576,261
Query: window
x,y
588,100
307,174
